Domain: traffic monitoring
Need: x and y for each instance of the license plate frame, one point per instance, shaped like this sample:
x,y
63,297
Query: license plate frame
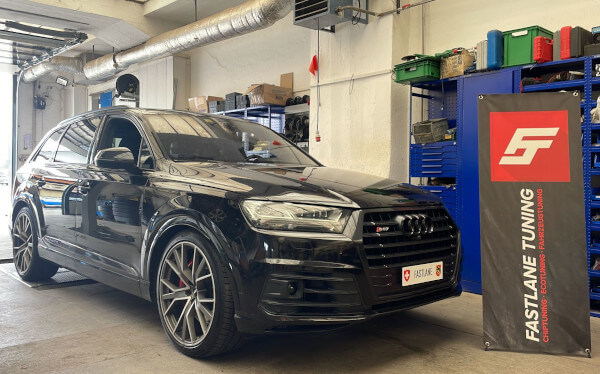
x,y
422,273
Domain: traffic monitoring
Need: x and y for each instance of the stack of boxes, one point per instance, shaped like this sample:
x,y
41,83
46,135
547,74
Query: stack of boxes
x,y
230,100
256,95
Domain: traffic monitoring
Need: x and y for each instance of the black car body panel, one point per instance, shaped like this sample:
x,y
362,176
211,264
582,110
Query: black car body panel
x,y
112,224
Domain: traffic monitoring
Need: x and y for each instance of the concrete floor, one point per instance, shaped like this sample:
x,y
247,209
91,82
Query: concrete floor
x,y
91,328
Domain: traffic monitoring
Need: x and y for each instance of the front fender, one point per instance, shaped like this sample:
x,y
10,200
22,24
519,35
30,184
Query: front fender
x,y
162,224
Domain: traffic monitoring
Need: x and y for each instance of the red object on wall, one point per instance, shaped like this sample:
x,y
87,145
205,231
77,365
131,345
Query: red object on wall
x,y
314,65
542,49
565,42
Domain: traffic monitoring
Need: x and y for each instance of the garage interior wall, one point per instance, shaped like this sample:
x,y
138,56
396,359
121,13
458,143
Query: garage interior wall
x,y
363,116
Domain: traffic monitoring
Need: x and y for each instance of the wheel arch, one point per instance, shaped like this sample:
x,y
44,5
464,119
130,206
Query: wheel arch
x,y
23,202
156,240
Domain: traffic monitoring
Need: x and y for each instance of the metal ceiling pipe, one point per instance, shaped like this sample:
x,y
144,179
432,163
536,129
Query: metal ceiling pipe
x,y
64,64
250,16
245,18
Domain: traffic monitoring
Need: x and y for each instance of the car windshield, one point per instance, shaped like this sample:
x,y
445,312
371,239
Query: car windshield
x,y
189,137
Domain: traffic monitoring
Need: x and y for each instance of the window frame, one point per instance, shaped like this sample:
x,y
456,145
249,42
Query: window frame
x,y
75,122
138,125
35,154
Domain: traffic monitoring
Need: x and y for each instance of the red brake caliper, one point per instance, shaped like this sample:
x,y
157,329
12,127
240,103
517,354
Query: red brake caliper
x,y
181,284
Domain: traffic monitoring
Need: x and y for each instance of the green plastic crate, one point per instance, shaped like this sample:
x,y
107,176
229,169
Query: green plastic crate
x,y
518,45
419,70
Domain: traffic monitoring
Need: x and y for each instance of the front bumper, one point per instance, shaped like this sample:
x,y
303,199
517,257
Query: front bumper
x,y
298,283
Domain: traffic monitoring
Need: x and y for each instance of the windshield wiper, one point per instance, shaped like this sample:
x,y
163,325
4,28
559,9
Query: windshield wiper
x,y
257,160
192,157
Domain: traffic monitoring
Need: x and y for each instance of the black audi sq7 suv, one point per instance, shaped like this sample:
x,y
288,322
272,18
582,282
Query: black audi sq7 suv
x,y
229,228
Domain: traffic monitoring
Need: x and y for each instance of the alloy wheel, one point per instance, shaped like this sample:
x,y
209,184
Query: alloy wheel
x,y
187,293
22,243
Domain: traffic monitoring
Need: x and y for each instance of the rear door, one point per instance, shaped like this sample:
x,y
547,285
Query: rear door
x,y
55,182
60,196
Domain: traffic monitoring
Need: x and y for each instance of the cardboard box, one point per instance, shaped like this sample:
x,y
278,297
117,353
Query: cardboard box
x,y
267,94
455,65
199,104
287,80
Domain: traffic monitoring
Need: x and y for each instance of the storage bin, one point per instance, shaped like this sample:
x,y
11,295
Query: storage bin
x,y
565,42
481,62
556,46
542,49
580,37
518,45
421,69
591,49
495,47
430,131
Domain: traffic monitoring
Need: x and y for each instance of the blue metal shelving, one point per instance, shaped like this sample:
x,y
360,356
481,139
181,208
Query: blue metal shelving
x,y
555,86
456,98
272,116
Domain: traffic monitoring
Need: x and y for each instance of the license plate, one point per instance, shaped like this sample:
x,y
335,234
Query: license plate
x,y
423,273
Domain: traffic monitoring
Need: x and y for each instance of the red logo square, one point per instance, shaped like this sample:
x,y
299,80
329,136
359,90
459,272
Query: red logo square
x,y
530,146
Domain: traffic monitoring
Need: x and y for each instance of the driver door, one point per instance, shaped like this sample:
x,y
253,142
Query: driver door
x,y
109,227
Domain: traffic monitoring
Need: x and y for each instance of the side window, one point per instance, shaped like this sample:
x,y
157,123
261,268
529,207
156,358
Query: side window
x,y
120,132
75,145
48,150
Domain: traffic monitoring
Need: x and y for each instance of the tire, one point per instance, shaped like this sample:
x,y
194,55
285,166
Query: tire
x,y
30,266
179,299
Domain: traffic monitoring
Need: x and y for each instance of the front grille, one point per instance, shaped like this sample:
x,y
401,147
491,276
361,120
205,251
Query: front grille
x,y
309,8
387,252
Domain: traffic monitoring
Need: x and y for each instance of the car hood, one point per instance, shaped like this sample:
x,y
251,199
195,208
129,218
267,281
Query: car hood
x,y
315,185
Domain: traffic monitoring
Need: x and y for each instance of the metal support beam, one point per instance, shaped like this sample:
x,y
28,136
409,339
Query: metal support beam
x,y
43,30
24,46
30,39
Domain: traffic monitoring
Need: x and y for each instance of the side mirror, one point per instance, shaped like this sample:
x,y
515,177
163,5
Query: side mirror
x,y
115,158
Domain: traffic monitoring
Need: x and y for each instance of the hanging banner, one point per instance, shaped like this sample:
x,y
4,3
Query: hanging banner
x,y
533,235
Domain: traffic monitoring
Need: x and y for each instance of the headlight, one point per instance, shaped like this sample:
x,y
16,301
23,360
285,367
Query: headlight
x,y
295,217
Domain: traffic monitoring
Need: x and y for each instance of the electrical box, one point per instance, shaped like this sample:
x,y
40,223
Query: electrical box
x,y
321,14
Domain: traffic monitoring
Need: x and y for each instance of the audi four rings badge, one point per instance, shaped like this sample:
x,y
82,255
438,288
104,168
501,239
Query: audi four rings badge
x,y
415,224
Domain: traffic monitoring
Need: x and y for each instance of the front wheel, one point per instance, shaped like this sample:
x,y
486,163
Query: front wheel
x,y
194,294
30,266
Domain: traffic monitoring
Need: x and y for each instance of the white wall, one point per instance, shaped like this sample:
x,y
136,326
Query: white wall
x,y
36,122
363,122
258,57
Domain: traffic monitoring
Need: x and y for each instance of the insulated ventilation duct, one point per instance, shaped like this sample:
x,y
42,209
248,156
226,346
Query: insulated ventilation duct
x,y
245,18
63,64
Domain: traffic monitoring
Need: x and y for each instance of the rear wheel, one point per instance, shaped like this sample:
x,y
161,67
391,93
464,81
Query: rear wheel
x,y
30,266
195,297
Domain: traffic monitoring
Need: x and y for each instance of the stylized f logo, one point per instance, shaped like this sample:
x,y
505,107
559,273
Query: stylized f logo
x,y
530,146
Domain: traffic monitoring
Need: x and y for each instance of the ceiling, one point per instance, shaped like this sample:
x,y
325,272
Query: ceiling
x,y
182,11
34,30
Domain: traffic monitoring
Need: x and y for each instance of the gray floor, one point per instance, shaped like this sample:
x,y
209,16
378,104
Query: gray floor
x,y
91,328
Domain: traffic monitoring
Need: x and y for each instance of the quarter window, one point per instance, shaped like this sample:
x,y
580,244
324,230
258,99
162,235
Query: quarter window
x,y
48,150
75,145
